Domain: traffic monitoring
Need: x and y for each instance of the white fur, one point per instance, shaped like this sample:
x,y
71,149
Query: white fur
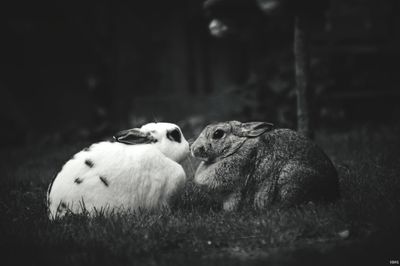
x,y
138,176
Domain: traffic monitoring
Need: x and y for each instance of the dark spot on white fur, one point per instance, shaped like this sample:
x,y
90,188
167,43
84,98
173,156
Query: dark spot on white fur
x,y
89,163
104,180
86,149
78,180
174,135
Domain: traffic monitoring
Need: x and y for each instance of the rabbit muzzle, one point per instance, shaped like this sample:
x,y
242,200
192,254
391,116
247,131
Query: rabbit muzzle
x,y
198,151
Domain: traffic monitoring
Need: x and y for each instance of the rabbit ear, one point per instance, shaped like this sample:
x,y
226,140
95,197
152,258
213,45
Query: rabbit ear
x,y
134,136
253,129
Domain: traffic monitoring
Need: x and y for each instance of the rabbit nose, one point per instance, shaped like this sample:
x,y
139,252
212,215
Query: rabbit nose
x,y
198,151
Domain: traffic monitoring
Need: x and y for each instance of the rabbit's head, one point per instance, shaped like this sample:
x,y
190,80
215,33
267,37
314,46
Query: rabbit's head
x,y
223,139
167,137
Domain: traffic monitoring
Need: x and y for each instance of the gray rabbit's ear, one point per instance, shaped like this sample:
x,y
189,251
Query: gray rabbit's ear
x,y
253,129
134,136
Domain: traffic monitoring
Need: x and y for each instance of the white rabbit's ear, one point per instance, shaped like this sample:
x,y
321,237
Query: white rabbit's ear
x,y
134,136
252,129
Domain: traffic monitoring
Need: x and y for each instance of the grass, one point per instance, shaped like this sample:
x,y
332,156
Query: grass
x,y
361,228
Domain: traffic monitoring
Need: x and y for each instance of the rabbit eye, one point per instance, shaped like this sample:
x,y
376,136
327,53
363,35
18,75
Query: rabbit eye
x,y
218,134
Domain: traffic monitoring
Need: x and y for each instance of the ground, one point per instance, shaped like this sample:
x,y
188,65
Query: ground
x,y
361,228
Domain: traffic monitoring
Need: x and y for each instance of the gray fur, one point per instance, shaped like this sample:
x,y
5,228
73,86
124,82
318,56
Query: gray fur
x,y
279,166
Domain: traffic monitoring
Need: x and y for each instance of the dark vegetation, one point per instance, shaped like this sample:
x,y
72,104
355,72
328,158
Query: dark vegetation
x,y
361,228
92,68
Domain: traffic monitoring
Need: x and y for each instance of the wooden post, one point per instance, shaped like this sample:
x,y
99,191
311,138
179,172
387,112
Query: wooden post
x,y
302,73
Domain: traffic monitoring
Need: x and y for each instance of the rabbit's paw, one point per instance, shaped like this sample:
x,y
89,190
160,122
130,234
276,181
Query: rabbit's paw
x,y
263,198
232,202
260,200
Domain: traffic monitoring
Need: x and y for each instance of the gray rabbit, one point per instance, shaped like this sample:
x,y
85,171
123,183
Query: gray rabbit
x,y
254,163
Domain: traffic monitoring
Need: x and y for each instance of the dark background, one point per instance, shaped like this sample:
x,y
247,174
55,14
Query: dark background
x,y
81,70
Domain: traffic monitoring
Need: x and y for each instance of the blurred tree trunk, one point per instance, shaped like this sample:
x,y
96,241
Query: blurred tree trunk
x,y
302,72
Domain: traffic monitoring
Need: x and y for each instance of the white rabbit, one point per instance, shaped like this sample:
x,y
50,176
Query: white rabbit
x,y
139,170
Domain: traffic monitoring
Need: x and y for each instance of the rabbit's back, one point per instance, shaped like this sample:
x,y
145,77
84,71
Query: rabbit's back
x,y
288,144
112,175
295,168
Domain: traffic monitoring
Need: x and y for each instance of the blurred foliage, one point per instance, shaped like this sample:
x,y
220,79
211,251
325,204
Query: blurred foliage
x,y
86,70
